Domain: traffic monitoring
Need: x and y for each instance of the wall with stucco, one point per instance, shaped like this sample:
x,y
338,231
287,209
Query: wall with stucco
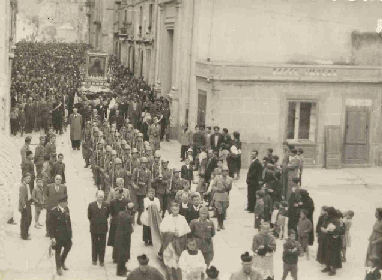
x,y
258,110
282,31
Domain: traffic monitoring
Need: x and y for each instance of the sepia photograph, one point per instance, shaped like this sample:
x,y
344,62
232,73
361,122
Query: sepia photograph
x,y
190,139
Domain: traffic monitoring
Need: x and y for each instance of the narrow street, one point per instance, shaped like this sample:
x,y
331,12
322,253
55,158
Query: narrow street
x,y
355,189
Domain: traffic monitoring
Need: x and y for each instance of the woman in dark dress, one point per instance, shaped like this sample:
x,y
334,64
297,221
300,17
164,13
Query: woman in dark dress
x,y
332,251
294,207
308,205
320,240
374,250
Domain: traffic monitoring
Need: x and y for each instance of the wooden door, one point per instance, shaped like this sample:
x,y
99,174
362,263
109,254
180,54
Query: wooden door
x,y
202,107
356,146
333,145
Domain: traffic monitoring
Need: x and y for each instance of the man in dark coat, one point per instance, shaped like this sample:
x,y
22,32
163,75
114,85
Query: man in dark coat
x,y
60,232
27,167
53,193
98,213
193,208
216,139
212,163
123,239
187,171
116,206
253,177
39,156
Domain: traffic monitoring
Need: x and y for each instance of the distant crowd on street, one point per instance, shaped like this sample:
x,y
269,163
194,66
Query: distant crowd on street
x,y
120,137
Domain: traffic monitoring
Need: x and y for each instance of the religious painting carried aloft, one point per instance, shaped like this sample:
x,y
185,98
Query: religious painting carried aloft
x,y
97,65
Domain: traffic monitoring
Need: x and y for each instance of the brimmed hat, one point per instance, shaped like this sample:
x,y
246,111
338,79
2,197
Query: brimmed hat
x,y
143,259
212,272
246,258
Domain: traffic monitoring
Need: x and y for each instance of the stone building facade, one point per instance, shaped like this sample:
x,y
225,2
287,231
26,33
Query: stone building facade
x,y
135,32
305,72
100,15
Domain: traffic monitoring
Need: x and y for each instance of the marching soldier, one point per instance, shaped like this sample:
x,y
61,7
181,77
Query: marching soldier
x,y
129,135
60,232
154,135
135,159
119,172
155,168
175,185
140,145
141,182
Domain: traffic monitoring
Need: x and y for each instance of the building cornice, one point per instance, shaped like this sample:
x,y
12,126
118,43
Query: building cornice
x,y
288,73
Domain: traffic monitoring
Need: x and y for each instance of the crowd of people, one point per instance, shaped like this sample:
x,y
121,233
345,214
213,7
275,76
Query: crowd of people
x,y
120,136
45,79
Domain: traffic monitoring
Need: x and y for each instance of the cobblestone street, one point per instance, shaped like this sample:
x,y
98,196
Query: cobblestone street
x,y
356,189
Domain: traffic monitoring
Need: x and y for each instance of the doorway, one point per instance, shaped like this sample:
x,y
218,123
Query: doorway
x,y
202,107
356,144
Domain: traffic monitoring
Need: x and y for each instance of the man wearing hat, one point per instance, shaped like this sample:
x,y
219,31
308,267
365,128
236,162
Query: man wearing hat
x,y
246,272
25,201
141,181
39,154
220,196
60,233
145,271
25,148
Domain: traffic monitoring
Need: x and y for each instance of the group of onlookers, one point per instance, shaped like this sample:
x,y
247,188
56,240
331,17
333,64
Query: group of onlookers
x,y
45,79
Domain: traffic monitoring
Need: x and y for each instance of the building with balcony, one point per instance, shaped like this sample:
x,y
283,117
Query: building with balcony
x,y
100,15
135,24
305,72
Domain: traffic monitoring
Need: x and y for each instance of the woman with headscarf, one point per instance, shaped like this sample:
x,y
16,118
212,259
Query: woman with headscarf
x,y
308,206
332,231
374,250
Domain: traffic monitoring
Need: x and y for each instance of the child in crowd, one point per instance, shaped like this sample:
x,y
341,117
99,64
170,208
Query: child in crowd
x,y
304,227
291,252
346,241
259,209
191,261
275,213
281,219
39,201
149,201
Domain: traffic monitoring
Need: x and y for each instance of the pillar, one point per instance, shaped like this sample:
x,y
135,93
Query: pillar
x,y
174,92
